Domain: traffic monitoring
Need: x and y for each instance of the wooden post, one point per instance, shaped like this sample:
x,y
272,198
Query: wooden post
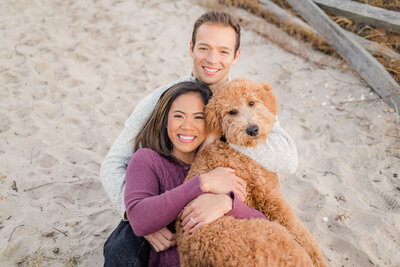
x,y
365,64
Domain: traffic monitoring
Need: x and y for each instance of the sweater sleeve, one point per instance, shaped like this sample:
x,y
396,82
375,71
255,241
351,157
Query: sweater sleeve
x,y
241,211
146,209
278,153
113,168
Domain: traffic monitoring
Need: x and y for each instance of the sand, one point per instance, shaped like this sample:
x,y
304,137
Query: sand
x,y
72,71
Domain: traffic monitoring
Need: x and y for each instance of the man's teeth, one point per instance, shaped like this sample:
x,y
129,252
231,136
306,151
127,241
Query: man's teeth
x,y
210,70
186,137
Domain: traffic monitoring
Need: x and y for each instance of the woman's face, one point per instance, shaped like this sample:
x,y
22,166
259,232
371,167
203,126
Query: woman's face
x,y
186,125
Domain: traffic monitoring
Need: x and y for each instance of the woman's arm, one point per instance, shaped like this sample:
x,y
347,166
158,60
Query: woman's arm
x,y
207,208
146,209
242,211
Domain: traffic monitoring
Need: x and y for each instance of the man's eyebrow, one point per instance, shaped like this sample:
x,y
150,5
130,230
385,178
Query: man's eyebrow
x,y
223,47
226,48
200,43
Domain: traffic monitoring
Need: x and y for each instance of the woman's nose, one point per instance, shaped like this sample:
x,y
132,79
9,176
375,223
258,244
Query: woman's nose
x,y
186,124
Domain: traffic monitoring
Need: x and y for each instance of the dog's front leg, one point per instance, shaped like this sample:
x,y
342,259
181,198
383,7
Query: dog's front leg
x,y
279,210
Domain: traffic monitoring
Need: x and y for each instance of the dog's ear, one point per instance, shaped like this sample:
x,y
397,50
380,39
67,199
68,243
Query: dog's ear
x,y
269,98
213,125
266,86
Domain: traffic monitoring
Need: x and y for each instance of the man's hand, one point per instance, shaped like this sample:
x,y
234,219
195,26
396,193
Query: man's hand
x,y
161,240
223,180
205,209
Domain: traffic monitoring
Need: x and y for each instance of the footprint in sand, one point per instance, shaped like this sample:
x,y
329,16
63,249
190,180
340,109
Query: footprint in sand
x,y
382,200
46,160
352,255
5,123
47,110
306,133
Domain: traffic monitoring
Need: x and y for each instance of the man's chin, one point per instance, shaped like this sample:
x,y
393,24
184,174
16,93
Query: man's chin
x,y
210,79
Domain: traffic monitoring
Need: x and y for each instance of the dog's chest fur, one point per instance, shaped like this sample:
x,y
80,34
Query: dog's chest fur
x,y
260,182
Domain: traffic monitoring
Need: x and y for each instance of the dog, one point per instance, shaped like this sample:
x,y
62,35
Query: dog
x,y
242,112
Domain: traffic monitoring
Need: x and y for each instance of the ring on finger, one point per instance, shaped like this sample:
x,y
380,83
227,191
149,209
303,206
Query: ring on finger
x,y
192,219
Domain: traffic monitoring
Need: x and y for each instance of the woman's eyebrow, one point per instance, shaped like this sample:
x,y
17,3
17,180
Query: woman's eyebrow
x,y
196,113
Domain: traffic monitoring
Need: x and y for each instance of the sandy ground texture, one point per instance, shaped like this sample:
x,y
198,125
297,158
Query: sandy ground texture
x,y
72,71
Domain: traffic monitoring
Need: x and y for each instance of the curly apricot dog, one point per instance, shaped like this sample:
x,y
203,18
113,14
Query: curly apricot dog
x,y
244,113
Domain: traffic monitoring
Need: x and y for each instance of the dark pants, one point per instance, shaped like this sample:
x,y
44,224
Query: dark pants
x,y
124,249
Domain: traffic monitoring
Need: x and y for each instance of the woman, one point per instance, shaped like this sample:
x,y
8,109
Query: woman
x,y
164,149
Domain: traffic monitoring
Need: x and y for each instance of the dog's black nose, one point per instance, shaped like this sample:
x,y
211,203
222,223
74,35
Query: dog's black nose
x,y
252,130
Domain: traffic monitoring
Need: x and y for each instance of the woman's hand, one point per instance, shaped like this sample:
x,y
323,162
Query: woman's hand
x,y
205,209
161,240
223,180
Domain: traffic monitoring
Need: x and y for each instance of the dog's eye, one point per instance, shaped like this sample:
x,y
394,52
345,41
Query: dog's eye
x,y
232,112
251,103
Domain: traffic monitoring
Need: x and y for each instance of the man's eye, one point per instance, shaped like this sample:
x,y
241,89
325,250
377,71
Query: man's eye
x,y
251,103
233,112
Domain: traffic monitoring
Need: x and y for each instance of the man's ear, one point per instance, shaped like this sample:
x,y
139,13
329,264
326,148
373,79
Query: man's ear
x,y
191,48
236,57
269,98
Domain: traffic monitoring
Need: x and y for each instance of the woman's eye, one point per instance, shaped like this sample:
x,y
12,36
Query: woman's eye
x,y
232,112
251,103
199,117
178,116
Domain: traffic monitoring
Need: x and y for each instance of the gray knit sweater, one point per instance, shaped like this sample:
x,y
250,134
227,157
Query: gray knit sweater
x,y
278,154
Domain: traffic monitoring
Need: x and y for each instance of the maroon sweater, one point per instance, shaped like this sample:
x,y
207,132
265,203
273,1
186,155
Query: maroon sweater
x,y
155,194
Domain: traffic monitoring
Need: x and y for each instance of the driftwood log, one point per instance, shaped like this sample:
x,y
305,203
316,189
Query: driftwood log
x,y
357,57
268,7
371,15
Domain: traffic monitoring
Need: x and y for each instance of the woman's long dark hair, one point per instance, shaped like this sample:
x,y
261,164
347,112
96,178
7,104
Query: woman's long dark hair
x,y
154,133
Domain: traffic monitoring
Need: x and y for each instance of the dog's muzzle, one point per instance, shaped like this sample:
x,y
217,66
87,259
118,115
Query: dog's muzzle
x,y
252,130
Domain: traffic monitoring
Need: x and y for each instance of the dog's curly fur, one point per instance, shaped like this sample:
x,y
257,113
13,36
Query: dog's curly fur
x,y
279,241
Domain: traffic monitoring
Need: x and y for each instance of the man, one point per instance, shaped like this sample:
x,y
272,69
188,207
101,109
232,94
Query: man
x,y
215,47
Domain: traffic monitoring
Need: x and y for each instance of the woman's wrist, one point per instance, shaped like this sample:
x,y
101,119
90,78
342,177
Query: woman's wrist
x,y
228,201
203,182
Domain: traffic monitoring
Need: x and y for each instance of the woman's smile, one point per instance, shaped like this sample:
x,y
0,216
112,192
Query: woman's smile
x,y
186,138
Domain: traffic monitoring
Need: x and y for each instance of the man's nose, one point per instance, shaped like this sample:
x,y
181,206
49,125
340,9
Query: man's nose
x,y
212,56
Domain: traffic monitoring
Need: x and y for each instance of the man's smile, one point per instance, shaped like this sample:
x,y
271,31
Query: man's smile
x,y
210,70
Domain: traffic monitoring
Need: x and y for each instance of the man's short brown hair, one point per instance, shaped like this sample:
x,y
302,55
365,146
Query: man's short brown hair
x,y
217,17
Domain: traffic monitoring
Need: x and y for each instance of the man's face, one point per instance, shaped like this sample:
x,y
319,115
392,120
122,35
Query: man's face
x,y
213,53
